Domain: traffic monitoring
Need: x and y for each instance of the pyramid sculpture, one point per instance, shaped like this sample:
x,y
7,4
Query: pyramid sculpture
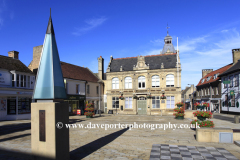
x,y
49,83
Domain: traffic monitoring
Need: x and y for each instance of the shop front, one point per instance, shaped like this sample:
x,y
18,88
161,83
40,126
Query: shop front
x,y
15,105
76,102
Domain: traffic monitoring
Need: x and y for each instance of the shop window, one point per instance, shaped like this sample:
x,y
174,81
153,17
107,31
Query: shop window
x,y
24,105
115,102
226,100
233,100
155,102
128,102
11,106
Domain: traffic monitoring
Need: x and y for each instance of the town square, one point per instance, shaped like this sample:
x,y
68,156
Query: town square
x,y
119,80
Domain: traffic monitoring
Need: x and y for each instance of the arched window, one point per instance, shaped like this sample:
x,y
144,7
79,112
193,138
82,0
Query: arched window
x,y
170,80
128,83
141,82
115,83
155,81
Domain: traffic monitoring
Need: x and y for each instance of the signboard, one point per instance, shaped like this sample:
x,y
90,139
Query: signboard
x,y
232,92
5,78
226,82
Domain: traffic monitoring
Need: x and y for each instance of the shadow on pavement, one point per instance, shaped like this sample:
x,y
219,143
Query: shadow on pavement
x,y
89,148
14,137
8,129
9,155
220,117
71,121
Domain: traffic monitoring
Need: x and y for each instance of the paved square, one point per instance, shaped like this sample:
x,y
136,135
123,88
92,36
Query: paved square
x,y
116,144
181,152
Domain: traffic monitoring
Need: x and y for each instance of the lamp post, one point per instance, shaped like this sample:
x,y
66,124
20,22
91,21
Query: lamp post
x,y
191,102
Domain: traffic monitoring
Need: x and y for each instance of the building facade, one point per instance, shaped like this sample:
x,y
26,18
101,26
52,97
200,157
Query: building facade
x,y
137,78
230,86
187,96
16,88
209,88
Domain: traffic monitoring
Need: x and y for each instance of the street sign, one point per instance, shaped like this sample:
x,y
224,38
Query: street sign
x,y
232,92
226,82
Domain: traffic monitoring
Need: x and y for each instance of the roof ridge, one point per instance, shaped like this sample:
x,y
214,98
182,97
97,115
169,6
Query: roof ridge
x,y
215,71
147,56
72,64
10,57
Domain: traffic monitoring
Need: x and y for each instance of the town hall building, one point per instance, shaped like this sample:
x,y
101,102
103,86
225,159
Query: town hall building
x,y
149,85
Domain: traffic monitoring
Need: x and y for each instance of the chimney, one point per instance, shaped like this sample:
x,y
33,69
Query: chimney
x,y
236,55
36,57
206,71
13,54
101,68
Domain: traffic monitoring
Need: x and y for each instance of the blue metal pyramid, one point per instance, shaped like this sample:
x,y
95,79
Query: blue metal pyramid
x,y
49,83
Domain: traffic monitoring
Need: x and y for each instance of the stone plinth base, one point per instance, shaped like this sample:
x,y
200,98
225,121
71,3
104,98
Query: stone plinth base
x,y
56,144
210,134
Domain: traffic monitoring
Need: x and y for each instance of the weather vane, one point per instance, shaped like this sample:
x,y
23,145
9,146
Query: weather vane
x,y
167,28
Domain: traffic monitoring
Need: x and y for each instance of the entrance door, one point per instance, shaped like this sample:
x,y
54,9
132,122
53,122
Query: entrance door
x,y
142,105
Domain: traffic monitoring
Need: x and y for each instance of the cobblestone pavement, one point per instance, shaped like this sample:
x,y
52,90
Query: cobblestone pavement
x,y
97,143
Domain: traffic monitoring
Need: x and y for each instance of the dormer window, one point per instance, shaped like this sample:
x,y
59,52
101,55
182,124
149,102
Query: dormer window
x,y
208,78
215,76
203,80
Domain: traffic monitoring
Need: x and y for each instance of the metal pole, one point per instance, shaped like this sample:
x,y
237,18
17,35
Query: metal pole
x,y
99,92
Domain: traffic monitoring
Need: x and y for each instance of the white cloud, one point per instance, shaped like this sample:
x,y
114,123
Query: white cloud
x,y
91,24
225,30
206,52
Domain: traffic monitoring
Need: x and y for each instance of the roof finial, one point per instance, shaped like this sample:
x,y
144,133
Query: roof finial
x,y
167,29
50,12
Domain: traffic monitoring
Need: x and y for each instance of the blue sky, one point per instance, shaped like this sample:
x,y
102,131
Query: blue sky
x,y
85,30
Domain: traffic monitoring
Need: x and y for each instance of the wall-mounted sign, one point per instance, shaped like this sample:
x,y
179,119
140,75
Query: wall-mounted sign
x,y
5,78
226,82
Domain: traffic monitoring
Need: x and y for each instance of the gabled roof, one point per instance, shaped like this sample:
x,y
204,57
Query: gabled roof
x,y
234,68
211,74
154,61
78,73
13,64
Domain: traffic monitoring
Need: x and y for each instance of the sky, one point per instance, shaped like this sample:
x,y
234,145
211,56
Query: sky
x,y
207,30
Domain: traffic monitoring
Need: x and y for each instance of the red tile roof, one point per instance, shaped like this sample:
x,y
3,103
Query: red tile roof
x,y
220,70
78,73
147,56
